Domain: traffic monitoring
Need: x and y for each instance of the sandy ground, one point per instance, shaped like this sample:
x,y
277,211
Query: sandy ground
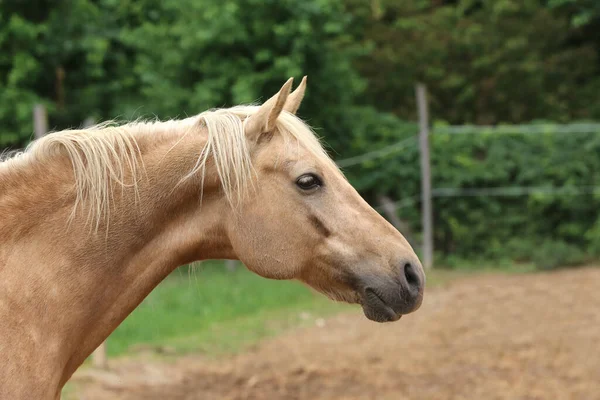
x,y
489,337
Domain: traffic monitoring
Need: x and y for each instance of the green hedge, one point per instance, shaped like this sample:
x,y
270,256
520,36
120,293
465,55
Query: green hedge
x,y
548,229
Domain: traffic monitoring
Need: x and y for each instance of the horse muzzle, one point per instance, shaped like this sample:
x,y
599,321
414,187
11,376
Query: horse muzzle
x,y
386,299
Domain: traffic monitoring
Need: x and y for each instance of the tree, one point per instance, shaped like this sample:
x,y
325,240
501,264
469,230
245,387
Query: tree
x,y
483,62
171,58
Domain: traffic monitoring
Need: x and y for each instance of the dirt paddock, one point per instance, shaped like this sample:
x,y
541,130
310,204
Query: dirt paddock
x,y
489,337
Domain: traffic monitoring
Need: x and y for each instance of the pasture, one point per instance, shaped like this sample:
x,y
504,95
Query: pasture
x,y
477,336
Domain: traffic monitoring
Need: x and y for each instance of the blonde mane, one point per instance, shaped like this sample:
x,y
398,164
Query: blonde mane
x,y
107,154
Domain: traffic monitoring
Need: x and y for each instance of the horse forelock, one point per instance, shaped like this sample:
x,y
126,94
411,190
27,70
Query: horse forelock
x,y
229,147
109,153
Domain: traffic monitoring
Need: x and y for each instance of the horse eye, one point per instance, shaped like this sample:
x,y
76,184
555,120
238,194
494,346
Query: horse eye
x,y
308,181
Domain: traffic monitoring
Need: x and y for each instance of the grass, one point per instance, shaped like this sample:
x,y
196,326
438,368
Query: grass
x,y
211,310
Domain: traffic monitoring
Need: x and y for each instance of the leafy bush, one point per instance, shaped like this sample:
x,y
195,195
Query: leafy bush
x,y
552,254
508,60
485,62
510,224
171,58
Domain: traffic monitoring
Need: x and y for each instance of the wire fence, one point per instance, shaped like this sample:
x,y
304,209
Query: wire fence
x,y
384,151
428,193
575,128
506,191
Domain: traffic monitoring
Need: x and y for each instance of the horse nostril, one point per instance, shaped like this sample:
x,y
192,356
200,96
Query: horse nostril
x,y
412,277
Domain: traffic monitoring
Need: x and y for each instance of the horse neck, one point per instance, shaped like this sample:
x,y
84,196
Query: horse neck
x,y
68,287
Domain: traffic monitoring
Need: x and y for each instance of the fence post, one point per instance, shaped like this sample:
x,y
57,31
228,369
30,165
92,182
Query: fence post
x,y
389,209
40,120
230,265
426,209
99,358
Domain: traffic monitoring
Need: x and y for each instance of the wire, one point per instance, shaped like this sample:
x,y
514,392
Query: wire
x,y
393,148
513,191
519,129
406,202
474,129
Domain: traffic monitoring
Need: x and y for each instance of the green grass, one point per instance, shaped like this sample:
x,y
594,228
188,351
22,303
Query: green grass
x,y
215,311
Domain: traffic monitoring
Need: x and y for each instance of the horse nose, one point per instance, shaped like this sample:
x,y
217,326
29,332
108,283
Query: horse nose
x,y
412,282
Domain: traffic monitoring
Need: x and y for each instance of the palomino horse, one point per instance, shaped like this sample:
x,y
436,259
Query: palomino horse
x,y
92,220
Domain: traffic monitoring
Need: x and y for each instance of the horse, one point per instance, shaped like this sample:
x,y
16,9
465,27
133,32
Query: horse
x,y
92,220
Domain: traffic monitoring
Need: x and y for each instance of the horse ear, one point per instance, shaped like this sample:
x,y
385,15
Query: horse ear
x,y
264,119
295,98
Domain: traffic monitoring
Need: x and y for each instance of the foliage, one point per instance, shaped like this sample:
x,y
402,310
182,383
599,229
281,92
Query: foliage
x,y
553,254
484,62
582,12
507,225
172,58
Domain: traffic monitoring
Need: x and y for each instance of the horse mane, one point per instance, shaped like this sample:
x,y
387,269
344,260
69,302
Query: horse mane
x,y
108,153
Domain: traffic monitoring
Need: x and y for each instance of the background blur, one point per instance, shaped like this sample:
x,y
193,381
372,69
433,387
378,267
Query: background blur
x,y
514,105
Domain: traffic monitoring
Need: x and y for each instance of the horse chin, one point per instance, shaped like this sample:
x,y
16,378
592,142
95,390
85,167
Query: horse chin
x,y
377,310
373,307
